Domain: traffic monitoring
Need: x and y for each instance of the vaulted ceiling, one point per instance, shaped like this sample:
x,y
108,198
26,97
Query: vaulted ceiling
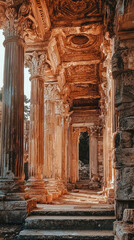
x,y
74,30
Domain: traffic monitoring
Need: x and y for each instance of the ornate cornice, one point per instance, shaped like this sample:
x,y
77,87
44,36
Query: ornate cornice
x,y
41,15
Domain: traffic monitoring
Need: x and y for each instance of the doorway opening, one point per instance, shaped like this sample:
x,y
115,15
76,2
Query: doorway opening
x,y
84,156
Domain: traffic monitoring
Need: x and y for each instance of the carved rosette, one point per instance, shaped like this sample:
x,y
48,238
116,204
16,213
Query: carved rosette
x,y
36,64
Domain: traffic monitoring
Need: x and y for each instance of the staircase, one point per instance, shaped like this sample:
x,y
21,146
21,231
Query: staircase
x,y
68,222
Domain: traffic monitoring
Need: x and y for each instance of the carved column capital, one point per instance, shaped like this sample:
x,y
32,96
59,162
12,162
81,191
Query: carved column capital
x,y
17,20
36,64
51,92
95,130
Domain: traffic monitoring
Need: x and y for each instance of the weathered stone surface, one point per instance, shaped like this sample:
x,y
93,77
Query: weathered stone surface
x,y
124,157
75,235
123,231
128,215
13,217
82,80
63,222
15,211
124,183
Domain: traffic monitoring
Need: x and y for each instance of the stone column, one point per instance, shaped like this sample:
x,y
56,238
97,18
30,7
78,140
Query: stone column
x,y
108,113
13,109
53,136
93,154
74,160
35,184
11,170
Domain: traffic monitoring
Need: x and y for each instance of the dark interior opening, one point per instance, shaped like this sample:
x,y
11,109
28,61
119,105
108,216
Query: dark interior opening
x,y
84,156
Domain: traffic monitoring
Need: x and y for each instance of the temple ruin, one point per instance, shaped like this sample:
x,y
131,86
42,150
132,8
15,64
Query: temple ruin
x,y
80,55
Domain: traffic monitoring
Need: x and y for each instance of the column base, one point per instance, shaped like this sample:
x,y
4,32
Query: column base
x,y
14,202
55,187
110,195
35,188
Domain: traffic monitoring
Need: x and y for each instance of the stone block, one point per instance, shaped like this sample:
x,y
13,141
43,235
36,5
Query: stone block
x,y
124,183
126,123
124,157
122,61
15,211
128,215
126,139
14,217
13,205
124,92
126,110
123,231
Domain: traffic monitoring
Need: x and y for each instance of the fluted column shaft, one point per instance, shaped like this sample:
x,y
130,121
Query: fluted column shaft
x,y
36,127
93,155
13,109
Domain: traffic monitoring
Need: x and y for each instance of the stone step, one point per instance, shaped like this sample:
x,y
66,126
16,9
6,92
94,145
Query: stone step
x,y
73,212
70,222
65,235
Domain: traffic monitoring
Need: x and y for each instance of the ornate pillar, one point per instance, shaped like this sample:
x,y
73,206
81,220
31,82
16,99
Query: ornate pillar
x,y
53,137
11,170
35,184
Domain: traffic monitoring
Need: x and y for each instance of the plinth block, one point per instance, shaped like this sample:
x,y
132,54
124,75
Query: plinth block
x,y
15,212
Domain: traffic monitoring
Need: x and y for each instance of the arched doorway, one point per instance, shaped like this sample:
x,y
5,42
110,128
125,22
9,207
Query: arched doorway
x,y
84,156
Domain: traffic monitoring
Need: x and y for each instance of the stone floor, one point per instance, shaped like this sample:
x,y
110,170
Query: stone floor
x,y
77,200
9,232
82,197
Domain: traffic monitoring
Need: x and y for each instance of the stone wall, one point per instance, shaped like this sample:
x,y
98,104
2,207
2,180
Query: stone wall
x,y
123,73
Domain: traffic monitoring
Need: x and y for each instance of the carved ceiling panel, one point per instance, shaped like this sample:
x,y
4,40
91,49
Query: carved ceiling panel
x,y
86,103
82,73
63,10
78,45
84,91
